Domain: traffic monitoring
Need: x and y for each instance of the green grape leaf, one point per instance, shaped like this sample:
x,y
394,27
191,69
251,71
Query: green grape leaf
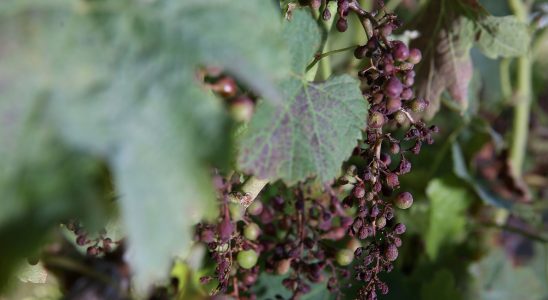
x,y
441,286
502,37
124,89
317,126
446,64
448,203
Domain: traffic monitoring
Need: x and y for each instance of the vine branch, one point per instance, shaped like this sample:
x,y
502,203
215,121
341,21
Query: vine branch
x,y
523,93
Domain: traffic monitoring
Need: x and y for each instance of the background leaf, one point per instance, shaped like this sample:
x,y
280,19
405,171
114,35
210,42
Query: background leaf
x,y
446,64
441,286
495,278
124,90
446,45
502,37
316,128
448,203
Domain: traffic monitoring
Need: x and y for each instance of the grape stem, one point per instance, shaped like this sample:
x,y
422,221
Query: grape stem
x,y
249,191
319,56
408,116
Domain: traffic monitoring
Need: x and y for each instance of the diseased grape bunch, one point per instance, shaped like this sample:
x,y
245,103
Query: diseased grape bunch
x,y
314,239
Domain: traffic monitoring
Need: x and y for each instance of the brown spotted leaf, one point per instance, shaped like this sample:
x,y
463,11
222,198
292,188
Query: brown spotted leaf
x,y
448,30
446,65
317,126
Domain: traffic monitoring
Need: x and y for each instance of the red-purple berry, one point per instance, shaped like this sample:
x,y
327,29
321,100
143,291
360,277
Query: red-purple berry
x,y
404,200
400,51
415,56
342,24
399,228
393,105
392,180
391,252
393,87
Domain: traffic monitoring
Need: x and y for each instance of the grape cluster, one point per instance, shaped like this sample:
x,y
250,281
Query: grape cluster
x,y
98,245
232,243
387,82
298,236
240,104
304,243
312,239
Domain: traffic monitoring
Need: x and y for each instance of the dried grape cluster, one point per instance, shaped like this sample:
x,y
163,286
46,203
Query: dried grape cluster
x,y
387,79
311,238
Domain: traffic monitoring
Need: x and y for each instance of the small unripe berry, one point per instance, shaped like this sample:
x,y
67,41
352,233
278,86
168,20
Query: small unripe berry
x,y
380,222
418,105
386,30
400,117
395,148
407,94
236,211
404,200
393,87
399,228
247,259
353,244
377,98
408,81
358,191
392,180
391,252
397,242
344,257
256,208
376,120
241,109
415,56
251,231
404,167
282,266
342,24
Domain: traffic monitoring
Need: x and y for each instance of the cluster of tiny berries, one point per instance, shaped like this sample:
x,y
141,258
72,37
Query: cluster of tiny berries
x,y
96,246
